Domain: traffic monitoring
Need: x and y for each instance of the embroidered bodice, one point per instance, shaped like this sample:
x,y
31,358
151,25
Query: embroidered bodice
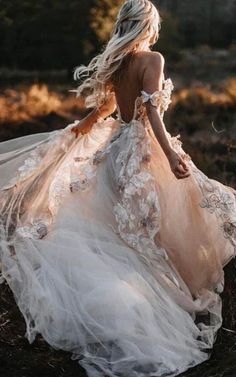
x,y
160,99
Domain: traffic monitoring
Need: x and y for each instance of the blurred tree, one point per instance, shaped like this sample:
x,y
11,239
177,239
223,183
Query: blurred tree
x,y
203,22
102,17
50,34
170,40
45,33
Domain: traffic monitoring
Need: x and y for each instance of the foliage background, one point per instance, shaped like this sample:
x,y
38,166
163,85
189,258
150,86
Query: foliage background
x,y
59,34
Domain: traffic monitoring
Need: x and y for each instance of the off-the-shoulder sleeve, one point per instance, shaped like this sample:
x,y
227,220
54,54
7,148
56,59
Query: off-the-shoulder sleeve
x,y
159,97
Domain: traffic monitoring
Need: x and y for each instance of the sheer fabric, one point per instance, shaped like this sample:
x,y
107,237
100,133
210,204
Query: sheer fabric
x,y
109,256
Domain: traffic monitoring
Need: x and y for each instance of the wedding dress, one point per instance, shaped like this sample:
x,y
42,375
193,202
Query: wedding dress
x,y
108,254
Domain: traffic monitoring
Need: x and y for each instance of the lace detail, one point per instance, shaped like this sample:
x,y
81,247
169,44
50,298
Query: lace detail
x,y
219,201
160,98
86,173
138,211
215,198
58,141
38,230
176,144
73,173
77,174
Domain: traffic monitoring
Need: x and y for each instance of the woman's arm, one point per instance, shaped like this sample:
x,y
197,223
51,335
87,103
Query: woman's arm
x,y
152,81
106,109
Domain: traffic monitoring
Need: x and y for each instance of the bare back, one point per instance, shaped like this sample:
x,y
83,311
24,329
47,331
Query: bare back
x,y
131,83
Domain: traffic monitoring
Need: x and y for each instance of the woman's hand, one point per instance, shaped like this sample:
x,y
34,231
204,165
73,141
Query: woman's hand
x,y
81,128
107,108
177,165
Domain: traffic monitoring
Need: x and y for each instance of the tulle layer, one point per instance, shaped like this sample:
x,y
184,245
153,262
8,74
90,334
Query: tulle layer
x,y
109,256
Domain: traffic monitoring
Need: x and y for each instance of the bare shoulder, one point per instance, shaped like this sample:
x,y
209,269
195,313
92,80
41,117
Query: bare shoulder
x,y
150,63
155,57
151,58
151,70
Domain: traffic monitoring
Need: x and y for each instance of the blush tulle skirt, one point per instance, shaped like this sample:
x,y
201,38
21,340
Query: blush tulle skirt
x,y
108,255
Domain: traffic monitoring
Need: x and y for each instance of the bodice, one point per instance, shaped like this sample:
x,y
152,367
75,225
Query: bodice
x,y
160,99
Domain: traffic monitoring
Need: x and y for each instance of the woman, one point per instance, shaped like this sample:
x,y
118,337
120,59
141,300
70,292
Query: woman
x,y
112,240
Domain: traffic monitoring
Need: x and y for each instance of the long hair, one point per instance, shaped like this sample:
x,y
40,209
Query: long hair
x,y
137,22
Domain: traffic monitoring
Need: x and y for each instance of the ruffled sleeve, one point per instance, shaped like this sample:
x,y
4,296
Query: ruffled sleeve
x,y
159,97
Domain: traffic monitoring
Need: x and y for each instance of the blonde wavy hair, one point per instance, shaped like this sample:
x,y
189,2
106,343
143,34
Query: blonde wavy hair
x,y
138,23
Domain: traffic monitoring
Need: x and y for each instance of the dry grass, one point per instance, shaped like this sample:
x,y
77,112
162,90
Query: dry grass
x,y
36,108
206,119
203,95
25,104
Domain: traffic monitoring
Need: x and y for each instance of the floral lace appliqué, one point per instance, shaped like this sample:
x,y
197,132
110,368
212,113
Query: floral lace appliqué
x,y
138,211
160,98
220,202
